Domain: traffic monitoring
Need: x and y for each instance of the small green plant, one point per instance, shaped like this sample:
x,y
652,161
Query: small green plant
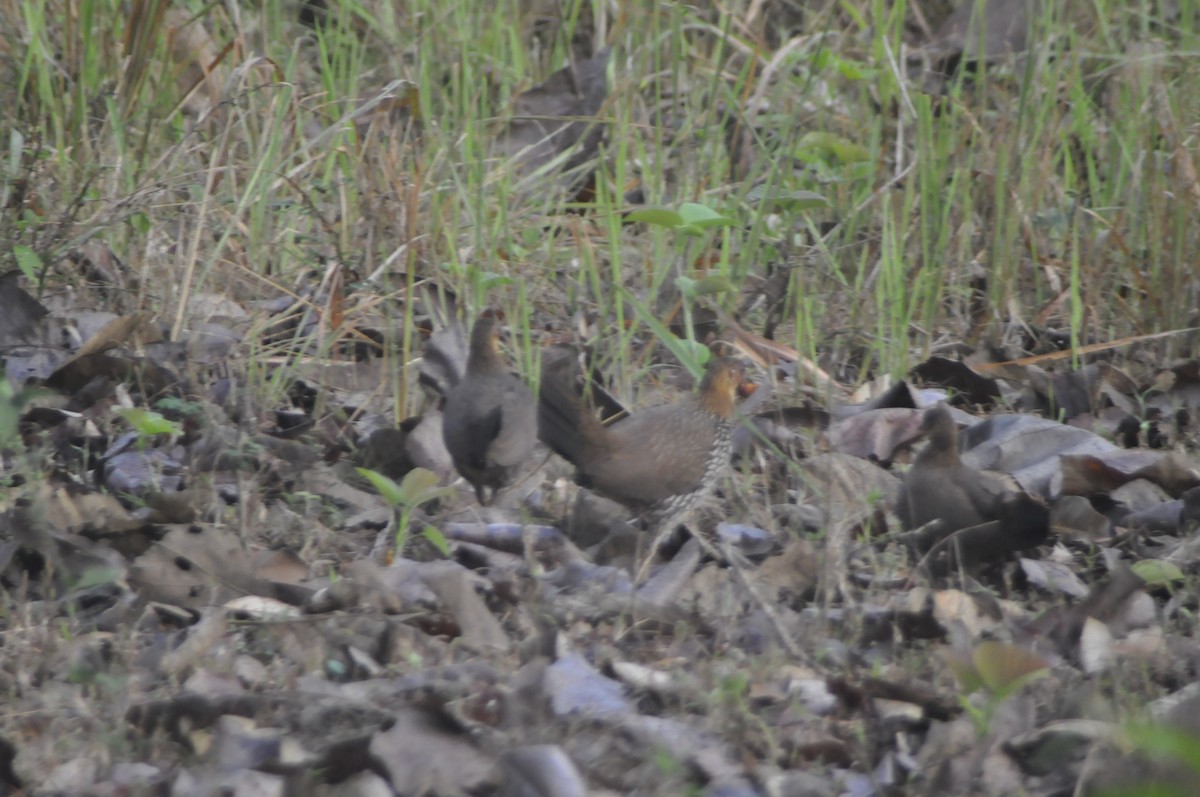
x,y
692,218
419,486
997,670
11,403
1158,572
149,424
1176,748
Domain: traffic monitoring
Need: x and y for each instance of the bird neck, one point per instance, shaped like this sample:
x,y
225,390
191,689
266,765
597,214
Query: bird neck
x,y
942,447
716,394
486,360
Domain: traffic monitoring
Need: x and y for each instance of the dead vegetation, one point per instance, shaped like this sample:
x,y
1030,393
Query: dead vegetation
x,y
956,549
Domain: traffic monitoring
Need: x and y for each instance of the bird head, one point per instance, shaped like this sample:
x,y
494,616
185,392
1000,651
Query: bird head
x,y
485,342
939,427
722,381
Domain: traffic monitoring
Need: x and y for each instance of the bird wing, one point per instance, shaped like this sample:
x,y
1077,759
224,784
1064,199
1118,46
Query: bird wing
x,y
516,429
651,456
946,494
469,439
985,492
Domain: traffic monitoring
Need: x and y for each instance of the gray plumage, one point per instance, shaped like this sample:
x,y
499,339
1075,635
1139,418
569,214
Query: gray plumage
x,y
939,486
489,422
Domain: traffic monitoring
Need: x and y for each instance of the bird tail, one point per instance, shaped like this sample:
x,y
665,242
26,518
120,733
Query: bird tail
x,y
563,424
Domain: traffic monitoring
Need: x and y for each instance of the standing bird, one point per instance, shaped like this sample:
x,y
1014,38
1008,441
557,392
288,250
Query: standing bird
x,y
489,423
939,486
986,521
660,462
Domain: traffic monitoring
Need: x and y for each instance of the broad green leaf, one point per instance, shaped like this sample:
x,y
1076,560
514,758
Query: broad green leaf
x,y
415,485
12,404
140,222
687,286
692,355
98,577
387,488
1163,742
964,670
1157,572
16,146
851,70
702,216
697,351
831,145
149,423
663,217
711,285
1004,667
28,261
437,540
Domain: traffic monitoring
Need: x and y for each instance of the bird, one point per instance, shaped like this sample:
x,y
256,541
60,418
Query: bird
x,y
489,420
987,521
939,486
658,463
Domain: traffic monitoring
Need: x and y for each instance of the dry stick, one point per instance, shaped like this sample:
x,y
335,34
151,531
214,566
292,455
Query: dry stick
x,y
1091,348
839,548
736,565
761,349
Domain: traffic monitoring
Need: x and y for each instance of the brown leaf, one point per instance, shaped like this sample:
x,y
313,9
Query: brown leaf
x,y
19,311
1003,27
547,118
197,57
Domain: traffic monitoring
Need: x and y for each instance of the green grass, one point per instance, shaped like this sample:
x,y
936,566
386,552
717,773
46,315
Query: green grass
x,y
1068,170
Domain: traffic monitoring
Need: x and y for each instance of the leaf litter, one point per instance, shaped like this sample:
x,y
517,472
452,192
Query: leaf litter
x,y
221,584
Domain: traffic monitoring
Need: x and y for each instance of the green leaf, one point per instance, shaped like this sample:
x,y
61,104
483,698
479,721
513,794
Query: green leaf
x,y
850,70
98,577
790,201
437,540
1157,572
415,485
697,351
1165,742
16,146
387,488
702,216
686,286
663,217
1004,667
830,145
693,355
28,261
140,222
12,403
963,669
149,423
711,285
487,280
